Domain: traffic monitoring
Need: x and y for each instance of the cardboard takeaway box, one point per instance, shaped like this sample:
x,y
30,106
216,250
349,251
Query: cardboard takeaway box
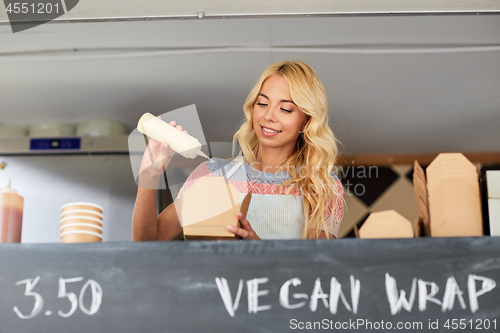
x,y
386,224
448,197
208,206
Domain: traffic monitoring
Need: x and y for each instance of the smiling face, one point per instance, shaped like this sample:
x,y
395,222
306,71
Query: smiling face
x,y
276,119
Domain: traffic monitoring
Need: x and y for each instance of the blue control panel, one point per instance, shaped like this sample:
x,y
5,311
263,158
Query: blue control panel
x,y
55,144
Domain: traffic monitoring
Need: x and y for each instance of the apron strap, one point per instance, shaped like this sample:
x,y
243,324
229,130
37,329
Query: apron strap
x,y
233,169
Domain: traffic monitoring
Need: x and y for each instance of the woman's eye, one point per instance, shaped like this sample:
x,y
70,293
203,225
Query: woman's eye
x,y
262,104
287,111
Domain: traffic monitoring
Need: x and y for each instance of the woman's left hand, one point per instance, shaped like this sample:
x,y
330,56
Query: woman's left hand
x,y
246,231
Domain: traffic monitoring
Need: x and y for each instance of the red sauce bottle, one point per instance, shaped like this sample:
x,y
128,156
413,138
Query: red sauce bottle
x,y
11,215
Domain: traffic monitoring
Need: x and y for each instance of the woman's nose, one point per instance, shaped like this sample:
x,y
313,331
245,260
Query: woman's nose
x,y
270,114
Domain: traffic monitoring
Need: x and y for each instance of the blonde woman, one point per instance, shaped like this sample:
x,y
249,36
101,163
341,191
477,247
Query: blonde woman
x,y
288,154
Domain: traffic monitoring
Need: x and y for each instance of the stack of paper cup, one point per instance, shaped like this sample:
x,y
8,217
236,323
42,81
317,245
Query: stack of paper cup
x,y
81,222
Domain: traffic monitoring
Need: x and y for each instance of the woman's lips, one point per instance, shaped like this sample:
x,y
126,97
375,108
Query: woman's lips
x,y
270,132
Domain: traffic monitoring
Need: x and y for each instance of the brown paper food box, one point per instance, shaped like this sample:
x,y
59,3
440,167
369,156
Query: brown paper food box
x,y
386,224
449,206
208,207
420,188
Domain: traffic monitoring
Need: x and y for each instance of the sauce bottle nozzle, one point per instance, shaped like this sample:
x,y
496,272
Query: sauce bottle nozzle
x,y
9,189
203,154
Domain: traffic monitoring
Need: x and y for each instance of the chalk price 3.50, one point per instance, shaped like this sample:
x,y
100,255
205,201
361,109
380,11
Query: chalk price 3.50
x,y
75,302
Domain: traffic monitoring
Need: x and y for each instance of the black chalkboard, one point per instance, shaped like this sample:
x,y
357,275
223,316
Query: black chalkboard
x,y
344,285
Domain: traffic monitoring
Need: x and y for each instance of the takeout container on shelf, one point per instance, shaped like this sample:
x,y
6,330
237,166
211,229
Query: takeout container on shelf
x,y
81,222
80,226
448,197
82,205
81,212
44,130
387,224
100,127
80,236
81,219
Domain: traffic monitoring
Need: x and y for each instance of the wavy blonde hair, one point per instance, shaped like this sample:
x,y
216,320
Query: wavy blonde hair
x,y
316,150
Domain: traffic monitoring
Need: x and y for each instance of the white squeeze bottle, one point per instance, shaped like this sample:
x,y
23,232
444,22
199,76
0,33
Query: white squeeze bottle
x,y
180,142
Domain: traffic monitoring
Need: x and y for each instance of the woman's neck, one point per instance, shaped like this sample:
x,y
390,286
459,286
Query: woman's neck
x,y
270,161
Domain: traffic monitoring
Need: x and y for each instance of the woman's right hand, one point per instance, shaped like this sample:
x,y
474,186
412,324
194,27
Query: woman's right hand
x,y
156,157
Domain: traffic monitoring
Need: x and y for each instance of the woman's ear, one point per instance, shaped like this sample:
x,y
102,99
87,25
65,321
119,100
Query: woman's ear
x,y
306,122
304,126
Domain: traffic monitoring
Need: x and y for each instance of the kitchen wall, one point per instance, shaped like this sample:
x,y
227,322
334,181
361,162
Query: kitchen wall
x,y
48,182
